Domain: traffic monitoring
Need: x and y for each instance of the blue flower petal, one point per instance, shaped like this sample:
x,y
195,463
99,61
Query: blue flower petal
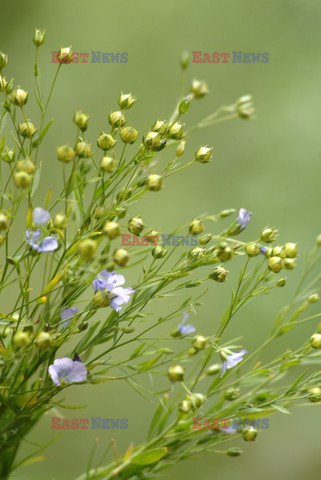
x,y
48,244
40,216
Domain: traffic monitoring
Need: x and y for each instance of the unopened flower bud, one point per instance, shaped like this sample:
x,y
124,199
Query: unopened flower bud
x,y
126,100
184,60
152,140
197,400
232,393
199,342
180,149
269,235
64,55
252,249
83,149
225,254
314,394
136,225
197,253
111,229
21,339
106,141
22,180
81,119
65,154
19,97
195,227
27,129
87,249
176,131
184,104
60,221
203,154
176,373
185,406
121,257
281,282
154,182
3,60
159,252
9,88
3,83
319,239
4,222
116,119
219,274
129,134
315,341
249,434
199,88
26,165
291,250
205,239
234,452
289,263
278,251
159,126
275,264
101,299
8,155
108,164
43,340
214,369
2,240
244,106
315,297
39,37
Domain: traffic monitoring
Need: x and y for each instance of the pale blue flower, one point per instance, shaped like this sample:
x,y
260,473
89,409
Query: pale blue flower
x,y
185,329
231,360
40,216
67,314
47,244
66,370
111,282
244,218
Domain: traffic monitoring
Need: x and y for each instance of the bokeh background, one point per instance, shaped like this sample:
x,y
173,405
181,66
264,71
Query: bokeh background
x,y
271,165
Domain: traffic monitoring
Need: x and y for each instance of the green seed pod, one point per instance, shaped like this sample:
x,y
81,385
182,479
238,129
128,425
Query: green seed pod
x,y
43,340
269,235
315,341
87,249
83,326
214,369
19,97
176,131
154,183
252,249
232,393
129,134
315,297
199,342
275,264
176,373
101,299
126,100
121,257
81,119
39,37
83,149
27,129
111,229
159,252
249,434
219,274
199,88
65,154
20,339
195,227
281,282
136,225
26,165
203,154
234,452
108,164
4,222
106,141
116,119
22,180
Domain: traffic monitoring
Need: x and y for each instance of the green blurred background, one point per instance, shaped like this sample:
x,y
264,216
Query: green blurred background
x,y
271,166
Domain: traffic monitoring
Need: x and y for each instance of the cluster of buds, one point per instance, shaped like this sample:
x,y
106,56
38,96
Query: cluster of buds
x,y
192,402
281,256
23,175
199,343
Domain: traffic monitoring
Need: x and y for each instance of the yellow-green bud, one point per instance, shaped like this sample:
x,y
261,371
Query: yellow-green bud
x,y
136,225
129,134
152,140
27,129
275,264
278,251
214,369
319,239
176,131
116,119
159,126
4,222
106,141
180,148
197,400
81,119
87,249
64,55
315,297
199,342
60,220
3,60
120,257
9,87
83,149
108,164
199,88
281,282
291,250
234,452
26,165
269,235
185,406
21,339
314,394
8,155
205,239
249,434
289,263
219,274
126,100
39,37
184,60
19,97
159,252
252,249
22,180
315,341
2,240
3,83
203,154
196,253
232,393
225,254
154,182
111,229
176,373
101,299
195,227
65,154
184,104
43,340
244,107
